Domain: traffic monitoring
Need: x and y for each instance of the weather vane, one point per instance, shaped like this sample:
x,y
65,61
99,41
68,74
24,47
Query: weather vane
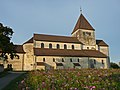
x,y
80,10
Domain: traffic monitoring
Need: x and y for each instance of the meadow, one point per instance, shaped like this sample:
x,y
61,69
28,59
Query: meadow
x,y
72,79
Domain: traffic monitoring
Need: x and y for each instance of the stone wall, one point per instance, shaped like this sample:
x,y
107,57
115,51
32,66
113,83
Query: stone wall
x,y
54,45
28,57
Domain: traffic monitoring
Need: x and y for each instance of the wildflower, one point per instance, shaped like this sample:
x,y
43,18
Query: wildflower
x,y
43,84
89,76
90,87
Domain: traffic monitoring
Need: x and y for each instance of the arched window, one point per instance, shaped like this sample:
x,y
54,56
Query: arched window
x,y
65,46
50,45
58,46
42,45
43,59
72,46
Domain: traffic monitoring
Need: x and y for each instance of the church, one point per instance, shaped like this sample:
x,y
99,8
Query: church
x,y
80,50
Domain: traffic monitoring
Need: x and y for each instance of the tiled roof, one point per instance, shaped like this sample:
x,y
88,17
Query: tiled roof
x,y
76,64
82,23
54,38
29,41
101,43
19,49
68,53
40,63
59,64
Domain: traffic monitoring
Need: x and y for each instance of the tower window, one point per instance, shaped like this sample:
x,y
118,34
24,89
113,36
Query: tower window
x,y
50,45
86,33
72,46
42,45
65,46
43,59
58,46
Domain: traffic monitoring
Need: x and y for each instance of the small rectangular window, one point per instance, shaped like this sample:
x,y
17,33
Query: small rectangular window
x,y
53,59
71,60
62,60
43,59
102,62
94,61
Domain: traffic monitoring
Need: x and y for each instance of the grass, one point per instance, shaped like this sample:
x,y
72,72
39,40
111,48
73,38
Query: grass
x,y
13,85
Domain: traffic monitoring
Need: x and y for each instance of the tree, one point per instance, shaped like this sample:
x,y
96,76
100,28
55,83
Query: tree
x,y
6,46
114,65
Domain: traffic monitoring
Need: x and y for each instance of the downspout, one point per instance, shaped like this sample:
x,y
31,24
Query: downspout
x,y
23,63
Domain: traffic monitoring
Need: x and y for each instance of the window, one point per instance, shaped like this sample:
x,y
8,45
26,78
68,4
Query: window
x,y
58,46
102,62
53,59
88,48
43,59
71,60
78,60
50,45
72,46
81,46
42,45
98,48
62,60
94,61
86,34
65,46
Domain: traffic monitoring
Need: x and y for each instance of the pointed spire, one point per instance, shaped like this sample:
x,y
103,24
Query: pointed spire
x,y
82,23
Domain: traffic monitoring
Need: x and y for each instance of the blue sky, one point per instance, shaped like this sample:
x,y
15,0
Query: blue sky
x,y
59,17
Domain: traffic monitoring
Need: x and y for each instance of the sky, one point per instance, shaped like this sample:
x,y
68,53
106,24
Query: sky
x,y
58,17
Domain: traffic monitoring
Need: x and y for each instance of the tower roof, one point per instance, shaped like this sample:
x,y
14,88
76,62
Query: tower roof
x,y
82,23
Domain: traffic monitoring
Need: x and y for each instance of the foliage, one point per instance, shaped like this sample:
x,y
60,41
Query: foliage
x,y
114,65
6,46
72,79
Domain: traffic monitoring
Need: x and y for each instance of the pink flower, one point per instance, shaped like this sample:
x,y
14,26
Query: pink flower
x,y
90,87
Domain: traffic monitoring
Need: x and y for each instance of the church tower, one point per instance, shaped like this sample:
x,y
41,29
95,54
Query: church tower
x,y
84,32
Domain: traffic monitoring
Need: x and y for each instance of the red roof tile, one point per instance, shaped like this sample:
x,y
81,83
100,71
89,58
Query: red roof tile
x,y
82,23
68,53
19,49
54,38
29,41
59,64
101,43
76,64
40,63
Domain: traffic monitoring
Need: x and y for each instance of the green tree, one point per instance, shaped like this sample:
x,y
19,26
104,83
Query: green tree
x,y
6,46
114,65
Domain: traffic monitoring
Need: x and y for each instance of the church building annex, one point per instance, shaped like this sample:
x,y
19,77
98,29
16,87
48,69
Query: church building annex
x,y
80,50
